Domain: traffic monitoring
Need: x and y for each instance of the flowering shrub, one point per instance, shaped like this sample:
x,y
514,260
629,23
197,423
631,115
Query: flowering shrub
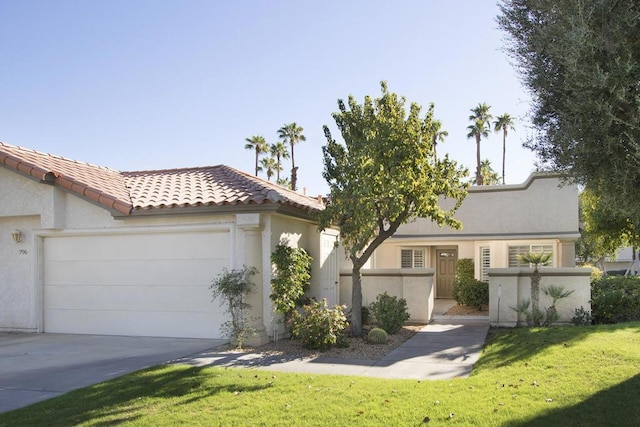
x,y
319,327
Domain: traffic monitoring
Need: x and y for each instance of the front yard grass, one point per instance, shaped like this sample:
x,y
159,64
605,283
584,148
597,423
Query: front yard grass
x,y
570,376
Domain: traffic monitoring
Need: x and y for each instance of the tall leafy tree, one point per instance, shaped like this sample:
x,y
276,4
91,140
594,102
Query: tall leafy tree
x,y
384,175
603,230
270,166
279,151
292,134
504,123
438,135
258,144
581,62
478,129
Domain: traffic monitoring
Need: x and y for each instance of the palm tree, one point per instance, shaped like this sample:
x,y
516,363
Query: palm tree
x,y
270,165
480,128
257,143
438,134
279,151
292,134
504,123
536,258
489,176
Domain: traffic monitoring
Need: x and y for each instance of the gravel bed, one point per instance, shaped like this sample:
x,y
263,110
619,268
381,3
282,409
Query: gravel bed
x,y
358,348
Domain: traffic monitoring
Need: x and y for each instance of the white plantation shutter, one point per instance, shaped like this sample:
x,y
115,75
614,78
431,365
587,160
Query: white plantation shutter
x,y
412,258
485,263
515,251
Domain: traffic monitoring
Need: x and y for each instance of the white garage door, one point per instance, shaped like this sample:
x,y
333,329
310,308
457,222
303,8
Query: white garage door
x,y
141,284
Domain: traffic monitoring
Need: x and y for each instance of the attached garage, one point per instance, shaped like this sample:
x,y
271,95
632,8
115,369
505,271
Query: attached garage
x,y
86,249
134,284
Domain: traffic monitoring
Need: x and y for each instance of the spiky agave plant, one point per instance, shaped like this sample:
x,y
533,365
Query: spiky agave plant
x,y
536,259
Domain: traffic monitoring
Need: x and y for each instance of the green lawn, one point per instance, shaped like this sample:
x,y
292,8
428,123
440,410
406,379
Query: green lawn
x,y
568,376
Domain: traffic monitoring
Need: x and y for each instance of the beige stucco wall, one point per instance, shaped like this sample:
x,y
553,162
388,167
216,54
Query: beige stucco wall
x,y
415,285
510,286
538,208
537,212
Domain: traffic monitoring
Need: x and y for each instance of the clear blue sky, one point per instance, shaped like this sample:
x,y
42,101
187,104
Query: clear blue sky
x,y
155,84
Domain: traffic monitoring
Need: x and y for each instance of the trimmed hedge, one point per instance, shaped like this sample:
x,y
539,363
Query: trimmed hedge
x,y
615,299
466,289
474,293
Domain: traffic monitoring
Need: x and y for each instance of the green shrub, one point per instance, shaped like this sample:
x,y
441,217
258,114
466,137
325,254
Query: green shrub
x,y
464,269
581,317
377,336
615,299
389,312
291,278
233,287
366,315
319,327
471,292
466,289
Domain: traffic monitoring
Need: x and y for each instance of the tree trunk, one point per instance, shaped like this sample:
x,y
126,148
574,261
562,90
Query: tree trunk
x,y
479,180
356,300
535,290
504,153
256,162
294,170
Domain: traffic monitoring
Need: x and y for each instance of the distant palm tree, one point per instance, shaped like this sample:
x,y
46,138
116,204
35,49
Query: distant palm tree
x,y
279,151
257,143
489,176
270,165
285,182
292,134
438,135
504,123
478,129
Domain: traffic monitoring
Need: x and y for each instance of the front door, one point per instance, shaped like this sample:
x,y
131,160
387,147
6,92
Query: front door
x,y
329,268
445,272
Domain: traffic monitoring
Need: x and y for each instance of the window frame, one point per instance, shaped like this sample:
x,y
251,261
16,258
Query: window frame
x,y
531,248
418,256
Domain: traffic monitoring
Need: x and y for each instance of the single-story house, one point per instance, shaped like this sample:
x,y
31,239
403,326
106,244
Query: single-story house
x,y
86,249
498,224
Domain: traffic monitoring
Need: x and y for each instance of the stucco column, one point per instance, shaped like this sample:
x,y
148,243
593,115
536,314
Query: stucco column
x,y
567,253
249,253
503,294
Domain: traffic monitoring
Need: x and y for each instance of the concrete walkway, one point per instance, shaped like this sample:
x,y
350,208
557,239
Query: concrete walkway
x,y
446,348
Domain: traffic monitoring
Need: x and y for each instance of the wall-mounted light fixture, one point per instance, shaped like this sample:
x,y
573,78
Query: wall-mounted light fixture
x,y
17,236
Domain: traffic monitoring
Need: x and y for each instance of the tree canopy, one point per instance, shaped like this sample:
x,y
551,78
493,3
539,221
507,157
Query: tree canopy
x,y
603,231
581,62
384,175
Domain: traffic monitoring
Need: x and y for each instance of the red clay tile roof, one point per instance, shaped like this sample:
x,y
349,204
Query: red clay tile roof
x,y
126,192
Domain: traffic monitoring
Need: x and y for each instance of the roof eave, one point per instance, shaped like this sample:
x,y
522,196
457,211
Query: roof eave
x,y
301,213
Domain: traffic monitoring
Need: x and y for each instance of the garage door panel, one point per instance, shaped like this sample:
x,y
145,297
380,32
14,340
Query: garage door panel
x,y
131,298
134,272
144,284
104,322
138,246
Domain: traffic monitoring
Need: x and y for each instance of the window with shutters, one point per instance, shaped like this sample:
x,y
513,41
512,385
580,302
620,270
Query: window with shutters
x,y
516,251
412,258
485,263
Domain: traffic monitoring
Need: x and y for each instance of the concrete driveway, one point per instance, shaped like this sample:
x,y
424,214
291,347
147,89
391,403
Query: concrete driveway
x,y
35,367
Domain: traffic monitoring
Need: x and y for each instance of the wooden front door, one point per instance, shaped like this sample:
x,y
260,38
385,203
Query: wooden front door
x,y
445,272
